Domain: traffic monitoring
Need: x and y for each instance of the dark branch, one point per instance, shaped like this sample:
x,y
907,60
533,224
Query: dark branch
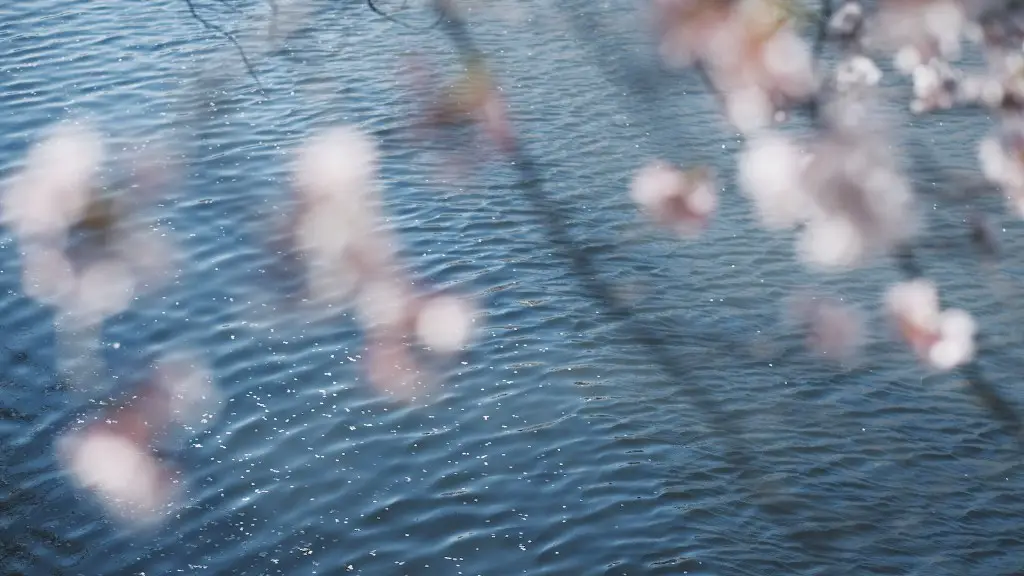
x,y
393,20
241,52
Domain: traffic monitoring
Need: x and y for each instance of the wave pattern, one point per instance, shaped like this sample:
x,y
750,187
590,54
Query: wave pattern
x,y
555,446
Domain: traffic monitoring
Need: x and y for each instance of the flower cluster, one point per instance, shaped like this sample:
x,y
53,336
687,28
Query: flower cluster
x,y
114,456
350,259
750,50
676,199
1002,162
941,339
847,194
81,254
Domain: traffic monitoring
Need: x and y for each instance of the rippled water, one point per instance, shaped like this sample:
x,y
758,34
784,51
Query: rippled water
x,y
556,445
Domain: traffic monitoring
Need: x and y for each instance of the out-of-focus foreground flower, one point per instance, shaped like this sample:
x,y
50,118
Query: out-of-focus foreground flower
x,y
114,457
751,51
847,193
350,258
682,200
941,339
82,254
1002,162
919,31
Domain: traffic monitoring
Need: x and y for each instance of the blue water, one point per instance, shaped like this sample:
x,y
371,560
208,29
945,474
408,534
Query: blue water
x,y
556,445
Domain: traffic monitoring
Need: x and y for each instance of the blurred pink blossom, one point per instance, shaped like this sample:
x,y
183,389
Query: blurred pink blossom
x,y
834,329
53,189
114,458
674,198
1002,162
919,30
862,203
125,475
935,87
941,339
848,194
444,323
57,193
847,20
771,173
350,259
335,176
753,56
857,72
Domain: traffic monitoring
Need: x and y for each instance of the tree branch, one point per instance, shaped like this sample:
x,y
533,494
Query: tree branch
x,y
241,52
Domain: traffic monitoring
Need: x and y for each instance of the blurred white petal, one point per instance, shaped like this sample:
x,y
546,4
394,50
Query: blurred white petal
x,y
907,59
770,174
47,276
917,301
655,182
847,18
831,243
444,323
789,63
702,200
926,81
957,324
749,110
126,476
105,288
674,198
53,188
857,71
339,164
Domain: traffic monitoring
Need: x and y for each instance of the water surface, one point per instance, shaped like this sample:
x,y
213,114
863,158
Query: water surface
x,y
556,445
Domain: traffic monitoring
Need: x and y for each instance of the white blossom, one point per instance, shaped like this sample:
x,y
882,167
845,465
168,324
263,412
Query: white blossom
x,y
53,188
943,339
771,170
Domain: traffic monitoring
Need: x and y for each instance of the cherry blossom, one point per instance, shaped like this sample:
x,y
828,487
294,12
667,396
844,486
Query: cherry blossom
x,y
919,30
674,198
82,254
114,455
941,339
847,21
444,323
336,224
753,55
54,187
351,260
857,72
122,472
936,87
771,172
1002,162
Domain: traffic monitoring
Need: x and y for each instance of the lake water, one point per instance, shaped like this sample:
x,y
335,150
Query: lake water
x,y
557,444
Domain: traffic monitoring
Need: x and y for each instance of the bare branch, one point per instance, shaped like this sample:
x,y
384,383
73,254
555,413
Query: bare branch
x,y
241,52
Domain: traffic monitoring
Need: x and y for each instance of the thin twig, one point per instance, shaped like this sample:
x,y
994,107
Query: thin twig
x,y
229,6
241,52
393,20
